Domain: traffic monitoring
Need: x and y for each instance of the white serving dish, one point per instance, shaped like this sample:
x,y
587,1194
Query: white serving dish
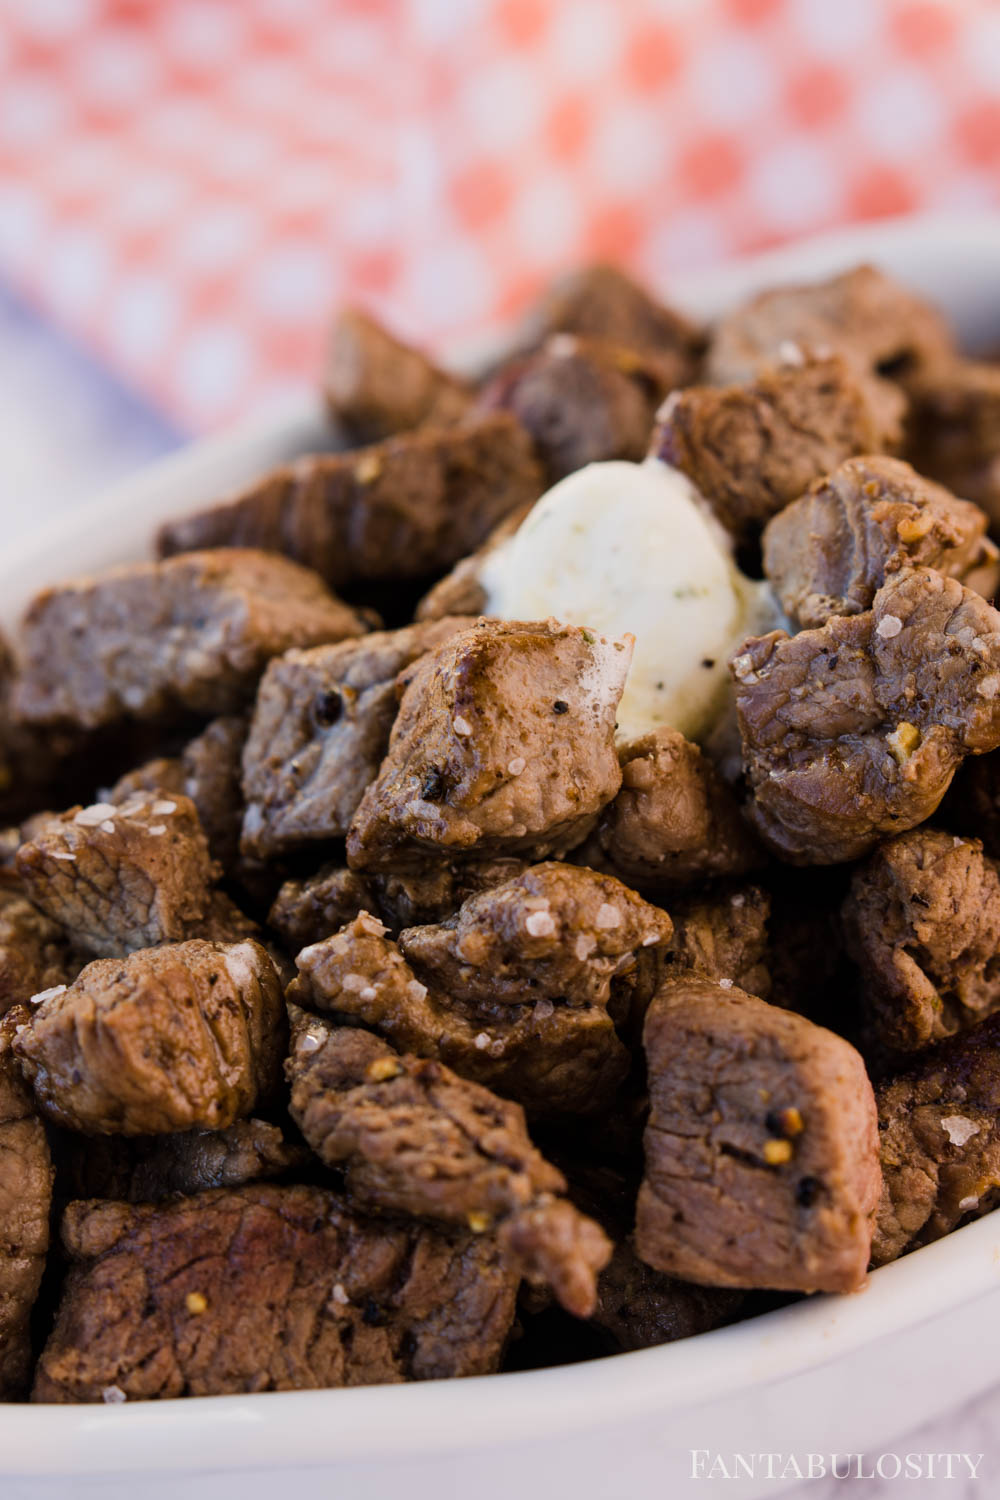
x,y
833,1374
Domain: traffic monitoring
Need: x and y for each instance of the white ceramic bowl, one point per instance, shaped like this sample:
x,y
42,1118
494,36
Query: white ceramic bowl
x,y
831,1374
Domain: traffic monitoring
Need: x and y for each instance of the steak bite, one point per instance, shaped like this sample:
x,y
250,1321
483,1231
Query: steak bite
x,y
156,639
504,744
856,730
601,302
831,551
955,429
266,1288
413,1138
307,911
405,508
34,952
182,1037
319,733
724,937
415,898
375,385
122,877
761,1148
25,1196
922,922
939,1127
878,325
674,821
514,992
584,400
751,449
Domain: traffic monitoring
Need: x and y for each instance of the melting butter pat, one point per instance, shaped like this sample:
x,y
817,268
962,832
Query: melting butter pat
x,y
626,548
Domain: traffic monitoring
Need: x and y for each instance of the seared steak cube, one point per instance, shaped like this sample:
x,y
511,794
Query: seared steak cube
x,y
724,936
34,951
175,1038
122,877
376,385
831,551
751,449
405,508
320,730
193,633
601,302
413,1138
504,744
306,911
923,925
266,1288
856,730
25,1196
761,1149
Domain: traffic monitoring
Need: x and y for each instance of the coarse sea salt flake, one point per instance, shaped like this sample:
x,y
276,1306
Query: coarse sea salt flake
x,y
967,1203
517,765
462,726
43,995
888,627
543,1009
89,817
725,984
157,829
113,1395
369,992
540,924
70,857
416,990
584,946
310,1042
958,1129
989,686
482,1041
339,1295
354,983
107,826
162,809
607,916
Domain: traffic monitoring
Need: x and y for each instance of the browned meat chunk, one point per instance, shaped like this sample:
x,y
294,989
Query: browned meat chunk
x,y
955,429
413,1138
584,400
266,1288
638,1308
306,911
121,877
922,922
413,898
34,952
153,639
513,992
319,733
939,1124
504,744
761,1149
879,325
25,1195
724,937
376,385
856,730
177,1038
751,449
601,302
674,821
831,551
406,508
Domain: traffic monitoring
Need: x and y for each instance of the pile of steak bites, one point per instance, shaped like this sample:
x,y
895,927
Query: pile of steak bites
x,y
369,1014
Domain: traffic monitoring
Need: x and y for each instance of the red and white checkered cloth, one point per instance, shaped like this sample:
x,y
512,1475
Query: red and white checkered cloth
x,y
191,186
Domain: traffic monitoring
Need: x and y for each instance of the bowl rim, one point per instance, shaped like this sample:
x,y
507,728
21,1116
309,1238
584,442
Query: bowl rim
x,y
226,1432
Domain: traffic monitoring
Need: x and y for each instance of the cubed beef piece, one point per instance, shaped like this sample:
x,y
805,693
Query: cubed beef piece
x,y
876,323
762,1162
584,400
504,744
176,1038
855,730
145,1169
674,822
638,1308
266,1288
751,449
25,1196
193,633
405,508
413,898
319,733
413,1138
122,876
375,385
939,1124
307,911
922,923
955,429
461,591
831,551
513,993
724,937
34,951
601,302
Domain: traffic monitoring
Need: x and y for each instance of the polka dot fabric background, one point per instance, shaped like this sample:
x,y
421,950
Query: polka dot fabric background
x,y
191,186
